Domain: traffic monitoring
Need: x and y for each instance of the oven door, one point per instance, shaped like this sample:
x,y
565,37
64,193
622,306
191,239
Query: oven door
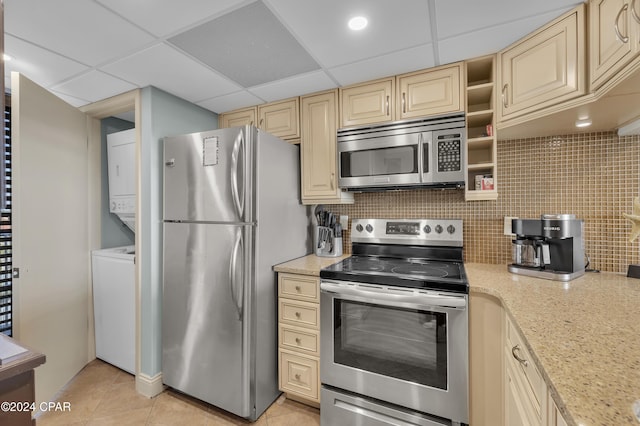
x,y
404,346
383,161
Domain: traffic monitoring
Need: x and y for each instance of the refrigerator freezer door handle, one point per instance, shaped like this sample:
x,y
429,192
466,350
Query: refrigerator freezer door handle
x,y
237,247
235,160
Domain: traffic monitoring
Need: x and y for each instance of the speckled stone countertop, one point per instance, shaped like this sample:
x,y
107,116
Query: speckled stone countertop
x,y
584,335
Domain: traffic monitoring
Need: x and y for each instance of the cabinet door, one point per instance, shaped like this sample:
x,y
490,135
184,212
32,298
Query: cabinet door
x,y
281,119
514,411
613,37
544,69
430,92
318,146
367,103
240,117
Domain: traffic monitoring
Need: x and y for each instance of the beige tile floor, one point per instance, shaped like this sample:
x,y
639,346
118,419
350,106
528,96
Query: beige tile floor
x,y
104,395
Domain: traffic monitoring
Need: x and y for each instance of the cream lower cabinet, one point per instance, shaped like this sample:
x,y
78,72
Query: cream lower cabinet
x,y
318,150
544,69
299,337
614,38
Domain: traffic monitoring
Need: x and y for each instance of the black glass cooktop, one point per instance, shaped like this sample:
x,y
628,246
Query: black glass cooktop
x,y
415,273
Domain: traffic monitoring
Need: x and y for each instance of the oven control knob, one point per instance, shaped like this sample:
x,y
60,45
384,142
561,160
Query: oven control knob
x,y
359,228
439,229
369,228
427,229
451,229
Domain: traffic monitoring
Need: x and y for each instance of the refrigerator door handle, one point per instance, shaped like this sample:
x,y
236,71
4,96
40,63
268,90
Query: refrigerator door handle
x,y
237,301
236,160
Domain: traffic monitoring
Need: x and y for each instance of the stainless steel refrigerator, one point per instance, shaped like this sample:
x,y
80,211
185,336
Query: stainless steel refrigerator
x,y
231,211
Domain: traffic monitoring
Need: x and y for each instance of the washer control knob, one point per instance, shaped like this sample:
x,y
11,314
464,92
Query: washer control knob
x,y
427,229
359,228
369,228
451,229
439,229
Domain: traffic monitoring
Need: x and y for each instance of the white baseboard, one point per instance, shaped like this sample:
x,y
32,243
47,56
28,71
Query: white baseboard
x,y
149,386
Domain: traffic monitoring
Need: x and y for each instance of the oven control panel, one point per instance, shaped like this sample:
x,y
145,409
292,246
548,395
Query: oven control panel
x,y
427,232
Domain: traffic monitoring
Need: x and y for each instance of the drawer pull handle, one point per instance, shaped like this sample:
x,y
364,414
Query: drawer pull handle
x,y
298,341
298,314
616,26
297,376
298,288
515,352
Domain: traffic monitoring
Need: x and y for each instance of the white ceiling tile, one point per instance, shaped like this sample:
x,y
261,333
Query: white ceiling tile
x,y
463,16
78,29
93,86
387,65
37,64
230,102
169,16
70,99
321,27
489,40
294,86
164,67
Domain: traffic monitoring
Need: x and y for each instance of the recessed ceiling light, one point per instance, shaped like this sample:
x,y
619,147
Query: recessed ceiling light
x,y
583,123
357,23
6,57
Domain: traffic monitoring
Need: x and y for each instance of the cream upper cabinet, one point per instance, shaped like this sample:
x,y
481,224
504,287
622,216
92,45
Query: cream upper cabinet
x,y
434,91
546,68
318,150
281,119
367,103
240,117
614,37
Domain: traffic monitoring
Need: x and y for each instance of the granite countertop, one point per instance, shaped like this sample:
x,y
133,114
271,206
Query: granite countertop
x,y
584,335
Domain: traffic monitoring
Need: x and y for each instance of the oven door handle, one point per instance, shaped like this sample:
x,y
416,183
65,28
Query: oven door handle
x,y
387,298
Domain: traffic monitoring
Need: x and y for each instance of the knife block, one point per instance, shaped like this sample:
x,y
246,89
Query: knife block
x,y
325,244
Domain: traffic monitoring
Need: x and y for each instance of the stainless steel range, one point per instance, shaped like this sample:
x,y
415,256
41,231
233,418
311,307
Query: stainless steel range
x,y
394,327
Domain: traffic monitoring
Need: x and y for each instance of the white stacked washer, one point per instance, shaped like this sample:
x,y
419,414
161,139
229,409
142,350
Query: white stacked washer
x,y
114,305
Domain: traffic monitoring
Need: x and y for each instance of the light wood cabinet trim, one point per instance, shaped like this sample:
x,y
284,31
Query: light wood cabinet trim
x,y
239,117
434,91
300,287
368,103
560,43
281,118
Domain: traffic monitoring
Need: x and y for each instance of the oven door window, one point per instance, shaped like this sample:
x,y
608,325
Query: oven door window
x,y
405,344
380,161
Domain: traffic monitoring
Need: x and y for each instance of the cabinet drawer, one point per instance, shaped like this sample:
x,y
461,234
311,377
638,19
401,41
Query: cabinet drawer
x,y
299,339
300,313
299,375
300,287
519,358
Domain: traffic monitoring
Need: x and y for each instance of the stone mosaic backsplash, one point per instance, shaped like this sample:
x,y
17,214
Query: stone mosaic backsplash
x,y
592,175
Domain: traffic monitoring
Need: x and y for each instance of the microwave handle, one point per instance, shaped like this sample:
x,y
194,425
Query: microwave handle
x,y
424,146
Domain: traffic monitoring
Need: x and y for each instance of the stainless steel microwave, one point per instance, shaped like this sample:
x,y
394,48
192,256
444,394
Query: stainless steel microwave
x,y
427,152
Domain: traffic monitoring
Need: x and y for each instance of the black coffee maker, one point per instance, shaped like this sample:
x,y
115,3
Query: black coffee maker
x,y
550,247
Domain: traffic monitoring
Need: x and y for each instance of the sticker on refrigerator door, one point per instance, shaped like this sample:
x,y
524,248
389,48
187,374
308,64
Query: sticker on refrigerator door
x,y
210,149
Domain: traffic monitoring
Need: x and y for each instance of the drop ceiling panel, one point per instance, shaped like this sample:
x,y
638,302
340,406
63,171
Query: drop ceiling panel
x,y
293,86
463,16
94,86
71,100
164,67
165,17
78,29
38,64
248,45
321,26
491,39
383,66
230,102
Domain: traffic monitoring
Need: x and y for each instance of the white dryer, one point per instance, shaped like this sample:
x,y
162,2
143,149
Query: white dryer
x,y
114,310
